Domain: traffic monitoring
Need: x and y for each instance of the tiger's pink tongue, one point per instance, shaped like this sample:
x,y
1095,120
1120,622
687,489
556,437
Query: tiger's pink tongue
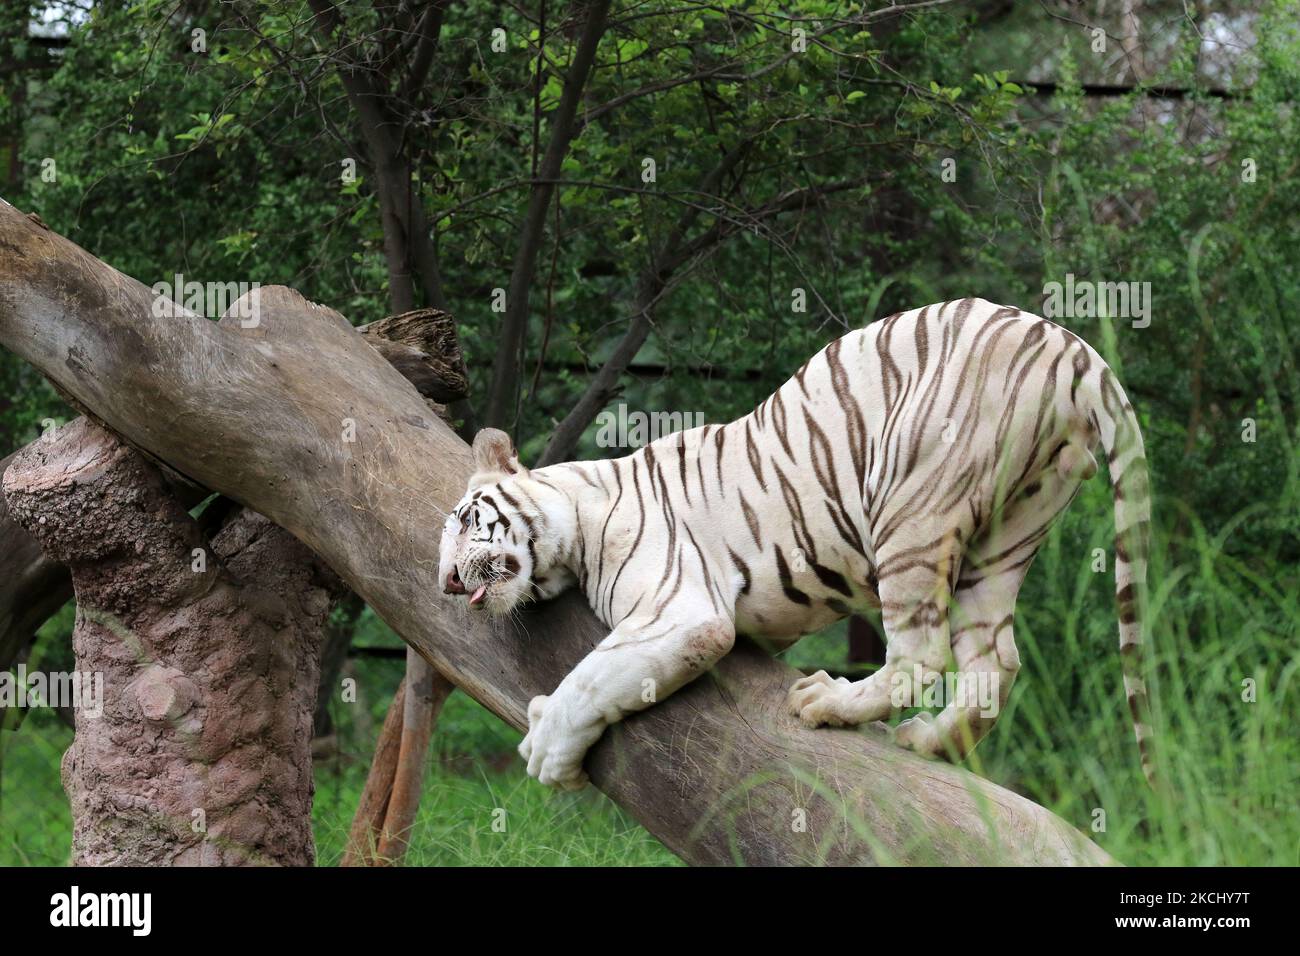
x,y
477,596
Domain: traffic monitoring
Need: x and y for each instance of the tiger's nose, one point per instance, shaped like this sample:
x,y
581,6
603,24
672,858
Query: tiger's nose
x,y
453,585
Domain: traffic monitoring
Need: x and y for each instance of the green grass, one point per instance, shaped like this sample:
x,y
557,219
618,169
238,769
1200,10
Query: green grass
x,y
1232,764
481,809
463,798
35,822
455,826
475,781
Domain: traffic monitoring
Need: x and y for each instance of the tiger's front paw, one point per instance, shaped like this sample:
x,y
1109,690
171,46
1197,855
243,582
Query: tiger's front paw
x,y
555,744
838,702
816,699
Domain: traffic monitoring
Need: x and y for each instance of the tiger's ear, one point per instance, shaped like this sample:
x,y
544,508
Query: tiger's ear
x,y
494,457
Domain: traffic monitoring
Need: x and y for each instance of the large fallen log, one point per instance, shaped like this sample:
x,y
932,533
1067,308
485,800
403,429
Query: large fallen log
x,y
422,345
299,420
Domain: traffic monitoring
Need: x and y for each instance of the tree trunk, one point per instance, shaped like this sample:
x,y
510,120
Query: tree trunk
x,y
196,747
300,421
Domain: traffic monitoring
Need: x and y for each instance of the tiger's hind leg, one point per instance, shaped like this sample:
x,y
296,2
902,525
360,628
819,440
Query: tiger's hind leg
x,y
987,661
915,601
984,604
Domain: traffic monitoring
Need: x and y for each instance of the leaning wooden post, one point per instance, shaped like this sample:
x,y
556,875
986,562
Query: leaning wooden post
x,y
372,808
381,829
426,692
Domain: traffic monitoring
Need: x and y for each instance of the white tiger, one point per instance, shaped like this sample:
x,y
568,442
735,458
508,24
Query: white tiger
x,y
913,466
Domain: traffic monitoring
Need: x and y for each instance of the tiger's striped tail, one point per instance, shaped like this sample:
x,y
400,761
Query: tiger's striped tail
x,y
1121,440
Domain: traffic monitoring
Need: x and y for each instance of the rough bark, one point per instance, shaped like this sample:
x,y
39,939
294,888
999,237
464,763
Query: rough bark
x,y
719,772
32,586
423,346
207,651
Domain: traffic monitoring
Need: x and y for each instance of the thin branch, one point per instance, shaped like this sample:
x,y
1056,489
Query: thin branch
x,y
427,33
403,213
649,286
505,370
653,285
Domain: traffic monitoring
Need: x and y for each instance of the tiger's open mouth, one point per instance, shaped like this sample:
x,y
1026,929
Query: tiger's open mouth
x,y
478,592
454,585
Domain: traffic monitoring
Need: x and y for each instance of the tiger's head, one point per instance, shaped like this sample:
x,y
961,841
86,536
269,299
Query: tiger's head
x,y
498,543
